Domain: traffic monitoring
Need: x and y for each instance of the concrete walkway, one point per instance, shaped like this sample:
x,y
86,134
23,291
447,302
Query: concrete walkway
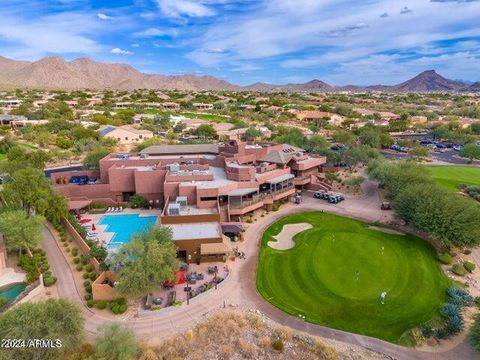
x,y
239,288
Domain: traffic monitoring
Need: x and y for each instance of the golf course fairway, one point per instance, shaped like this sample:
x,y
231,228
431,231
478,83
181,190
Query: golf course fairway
x,y
336,271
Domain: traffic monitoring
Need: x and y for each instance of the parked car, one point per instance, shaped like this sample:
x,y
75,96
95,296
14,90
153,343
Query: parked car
x,y
79,179
457,147
319,194
386,206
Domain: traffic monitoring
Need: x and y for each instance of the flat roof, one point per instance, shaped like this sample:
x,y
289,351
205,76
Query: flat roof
x,y
219,179
239,192
193,210
281,178
181,149
206,230
215,248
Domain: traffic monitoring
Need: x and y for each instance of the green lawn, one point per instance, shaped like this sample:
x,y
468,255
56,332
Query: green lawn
x,y
210,117
449,177
335,273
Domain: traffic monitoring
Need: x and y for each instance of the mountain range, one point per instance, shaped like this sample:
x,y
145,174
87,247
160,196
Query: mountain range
x,y
83,73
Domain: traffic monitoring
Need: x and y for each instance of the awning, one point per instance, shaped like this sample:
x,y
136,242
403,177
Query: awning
x,y
215,248
241,192
232,228
78,204
279,179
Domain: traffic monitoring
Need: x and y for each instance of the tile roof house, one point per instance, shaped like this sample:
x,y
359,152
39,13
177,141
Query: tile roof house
x,y
125,134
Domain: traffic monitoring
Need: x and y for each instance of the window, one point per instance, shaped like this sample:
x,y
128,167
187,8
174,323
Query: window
x,y
208,198
140,136
126,138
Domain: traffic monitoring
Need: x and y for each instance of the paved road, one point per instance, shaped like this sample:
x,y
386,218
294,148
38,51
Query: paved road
x,y
240,290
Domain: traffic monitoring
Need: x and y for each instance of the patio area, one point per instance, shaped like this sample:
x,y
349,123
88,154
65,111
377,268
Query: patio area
x,y
197,279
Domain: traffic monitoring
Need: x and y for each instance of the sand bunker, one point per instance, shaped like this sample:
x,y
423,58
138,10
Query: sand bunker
x,y
285,238
386,230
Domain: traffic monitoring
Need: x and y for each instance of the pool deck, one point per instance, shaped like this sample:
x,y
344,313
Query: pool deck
x,y
9,276
104,237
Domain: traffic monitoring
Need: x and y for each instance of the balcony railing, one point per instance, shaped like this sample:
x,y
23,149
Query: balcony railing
x,y
258,198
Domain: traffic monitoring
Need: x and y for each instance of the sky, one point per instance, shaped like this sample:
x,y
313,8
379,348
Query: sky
x,y
361,42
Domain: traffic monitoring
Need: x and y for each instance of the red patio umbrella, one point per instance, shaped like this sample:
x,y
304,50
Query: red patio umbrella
x,y
84,221
93,227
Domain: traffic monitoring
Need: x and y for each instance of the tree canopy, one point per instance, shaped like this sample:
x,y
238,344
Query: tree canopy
x,y
21,232
115,342
50,319
471,151
147,261
448,218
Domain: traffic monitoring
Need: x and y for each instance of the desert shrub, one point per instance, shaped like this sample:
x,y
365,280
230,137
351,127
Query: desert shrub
x,y
87,296
477,301
86,283
101,304
278,345
284,333
83,260
247,349
459,269
450,310
354,181
49,280
469,266
460,297
79,267
67,250
88,268
76,260
445,258
92,276
467,251
88,289
74,251
474,335
85,275
90,303
325,351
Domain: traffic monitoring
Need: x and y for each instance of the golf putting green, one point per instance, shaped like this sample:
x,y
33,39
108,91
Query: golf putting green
x,y
336,271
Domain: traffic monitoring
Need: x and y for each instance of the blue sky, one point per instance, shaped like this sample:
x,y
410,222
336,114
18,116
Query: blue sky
x,y
277,41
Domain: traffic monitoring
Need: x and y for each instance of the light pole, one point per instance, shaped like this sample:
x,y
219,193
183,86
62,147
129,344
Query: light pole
x,y
215,277
188,291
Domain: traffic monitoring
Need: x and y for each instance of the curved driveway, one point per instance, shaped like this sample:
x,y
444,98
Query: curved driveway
x,y
239,288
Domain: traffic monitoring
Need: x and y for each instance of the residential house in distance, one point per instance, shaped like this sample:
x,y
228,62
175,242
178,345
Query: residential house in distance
x,y
416,120
10,103
201,106
125,135
310,116
170,106
206,189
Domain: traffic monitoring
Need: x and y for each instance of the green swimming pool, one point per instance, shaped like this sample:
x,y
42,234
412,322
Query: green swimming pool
x,y
10,292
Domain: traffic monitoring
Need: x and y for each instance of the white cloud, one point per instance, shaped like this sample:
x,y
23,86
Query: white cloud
x,y
64,33
273,29
156,32
135,45
179,8
103,16
119,51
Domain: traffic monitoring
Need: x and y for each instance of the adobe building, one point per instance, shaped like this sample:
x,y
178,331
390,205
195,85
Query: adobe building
x,y
204,190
